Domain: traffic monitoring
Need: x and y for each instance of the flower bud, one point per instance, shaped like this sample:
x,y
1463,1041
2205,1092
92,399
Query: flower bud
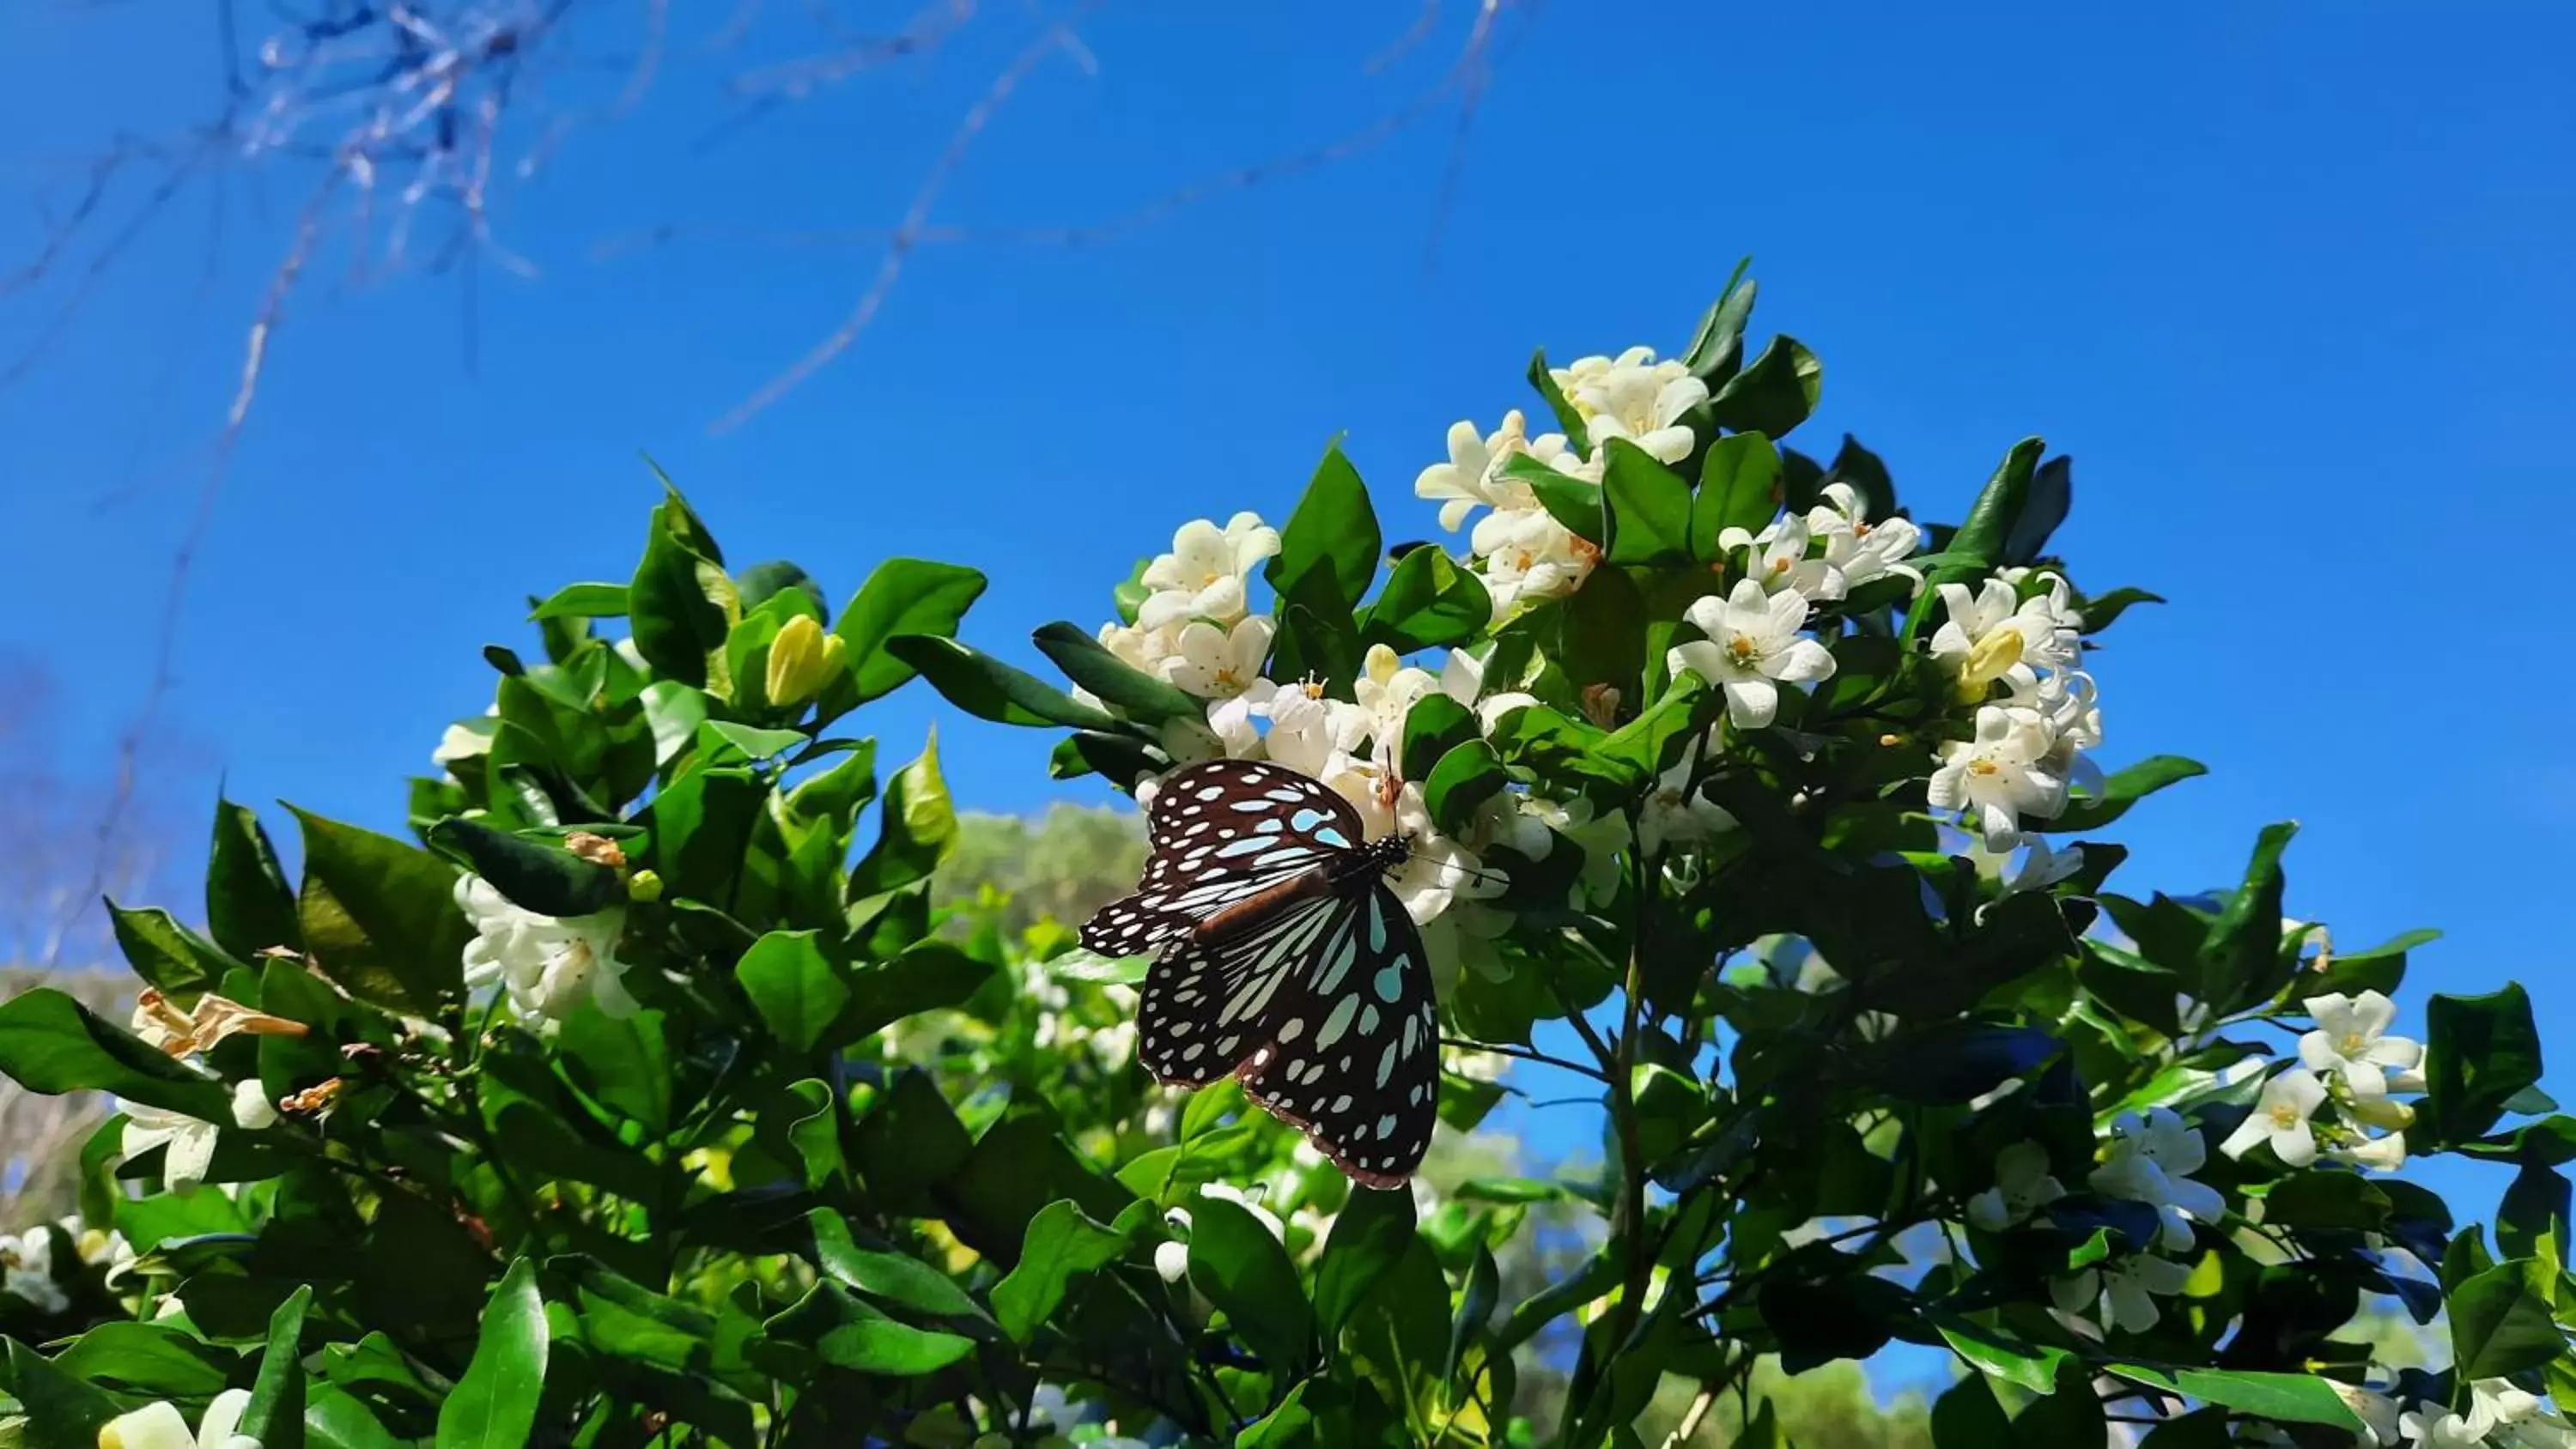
x,y
802,659
644,886
2381,1112
1988,660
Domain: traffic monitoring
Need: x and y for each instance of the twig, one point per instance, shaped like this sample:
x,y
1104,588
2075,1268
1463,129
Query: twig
x,y
1524,1053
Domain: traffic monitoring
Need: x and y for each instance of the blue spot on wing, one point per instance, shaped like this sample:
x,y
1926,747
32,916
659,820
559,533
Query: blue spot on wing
x,y
1332,835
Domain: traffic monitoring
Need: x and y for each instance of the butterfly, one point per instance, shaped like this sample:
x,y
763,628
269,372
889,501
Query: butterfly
x,y
1281,958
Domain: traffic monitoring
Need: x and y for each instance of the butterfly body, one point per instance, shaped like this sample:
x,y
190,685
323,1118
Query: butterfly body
x,y
1283,960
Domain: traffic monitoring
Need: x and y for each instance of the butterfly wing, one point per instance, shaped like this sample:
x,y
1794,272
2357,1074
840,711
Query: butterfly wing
x,y
1220,832
1326,1016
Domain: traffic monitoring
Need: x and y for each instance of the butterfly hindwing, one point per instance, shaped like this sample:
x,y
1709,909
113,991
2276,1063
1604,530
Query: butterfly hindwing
x,y
1354,1059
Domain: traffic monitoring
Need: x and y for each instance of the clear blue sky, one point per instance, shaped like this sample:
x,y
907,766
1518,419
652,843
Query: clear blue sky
x,y
2291,282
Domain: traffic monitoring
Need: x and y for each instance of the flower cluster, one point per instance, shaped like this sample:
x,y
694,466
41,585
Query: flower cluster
x,y
1523,554
1194,627
2351,1061
2025,754
2500,1415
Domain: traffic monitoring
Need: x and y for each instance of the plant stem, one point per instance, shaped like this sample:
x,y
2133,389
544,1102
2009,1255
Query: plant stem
x,y
1525,1054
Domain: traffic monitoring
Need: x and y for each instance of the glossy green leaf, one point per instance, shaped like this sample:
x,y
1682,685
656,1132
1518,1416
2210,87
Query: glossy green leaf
x,y
2287,1398
1979,544
2031,1366
2240,961
879,1345
495,1404
1332,534
275,1414
583,601
1429,602
1062,1244
249,905
1371,1233
1570,501
1716,347
540,876
890,1276
1773,394
150,1360
1475,1309
2101,610
168,956
380,916
2481,1051
796,990
1465,778
2123,788
1113,680
2499,1326
920,828
1649,506
702,824
51,1043
1739,487
2052,494
905,596
680,602
987,688
765,581
62,1412
1247,1274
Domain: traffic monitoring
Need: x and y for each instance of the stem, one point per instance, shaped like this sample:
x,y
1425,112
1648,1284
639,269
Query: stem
x,y
1525,1054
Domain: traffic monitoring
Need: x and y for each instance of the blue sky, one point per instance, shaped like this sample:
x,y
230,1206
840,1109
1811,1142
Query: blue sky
x,y
2289,282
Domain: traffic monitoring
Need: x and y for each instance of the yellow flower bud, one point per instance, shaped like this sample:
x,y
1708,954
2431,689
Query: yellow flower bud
x,y
802,659
2382,1113
644,886
1999,651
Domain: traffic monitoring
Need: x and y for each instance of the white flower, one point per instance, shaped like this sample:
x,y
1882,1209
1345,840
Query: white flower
x,y
466,739
1858,549
2001,775
27,1271
1462,678
2379,1154
1215,663
549,965
2436,1428
2151,1162
2351,1039
1203,576
2124,1292
1172,1258
1139,647
1386,691
1777,560
1603,839
158,1425
1991,634
1231,732
1636,398
190,1141
2042,865
1474,473
2521,1420
1529,556
2066,703
2377,1412
2281,1118
2022,1187
1308,731
1675,814
1753,644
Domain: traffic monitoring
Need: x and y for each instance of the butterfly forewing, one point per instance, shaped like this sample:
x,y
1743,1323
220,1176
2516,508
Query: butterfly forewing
x,y
1317,997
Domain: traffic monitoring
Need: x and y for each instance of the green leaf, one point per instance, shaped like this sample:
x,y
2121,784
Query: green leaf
x,y
495,1404
702,826
622,1062
540,876
2287,1398
1435,725
2101,609
746,741
2481,1050
797,992
1246,1273
1739,487
1475,1309
2121,790
801,1127
1649,506
1087,663
680,603
2240,961
2052,492
873,1343
890,1276
167,955
1081,965
62,1412
52,1044
765,581
2499,1326
1966,1416
583,601
1866,474
154,1360
1571,501
987,688
905,596
2322,1199
1466,777
1774,394
249,905
920,828
1428,603
2032,1366
1979,544
1371,1233
1568,421
1717,346
275,1414
1332,534
1062,1243
2532,1220
380,916
334,1418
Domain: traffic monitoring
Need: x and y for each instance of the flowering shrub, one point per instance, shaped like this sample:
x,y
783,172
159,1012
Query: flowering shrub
x,y
648,1098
